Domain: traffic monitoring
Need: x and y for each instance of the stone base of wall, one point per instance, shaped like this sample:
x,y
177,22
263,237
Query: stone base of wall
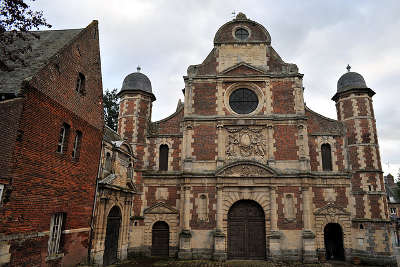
x,y
367,258
202,253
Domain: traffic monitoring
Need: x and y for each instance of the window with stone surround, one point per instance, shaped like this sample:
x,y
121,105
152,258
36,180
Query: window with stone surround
x,y
326,155
243,101
163,158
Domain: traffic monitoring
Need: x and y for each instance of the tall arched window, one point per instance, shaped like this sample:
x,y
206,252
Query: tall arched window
x,y
326,157
202,208
163,158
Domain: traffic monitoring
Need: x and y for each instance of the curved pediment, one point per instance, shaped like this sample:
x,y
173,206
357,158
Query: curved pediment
x,y
246,169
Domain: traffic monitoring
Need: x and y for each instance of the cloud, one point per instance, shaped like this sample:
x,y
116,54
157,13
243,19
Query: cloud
x,y
321,37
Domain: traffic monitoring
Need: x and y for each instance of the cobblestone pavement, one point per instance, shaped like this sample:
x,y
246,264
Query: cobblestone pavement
x,y
157,262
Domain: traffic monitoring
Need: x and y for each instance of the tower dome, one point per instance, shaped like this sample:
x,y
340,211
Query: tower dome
x,y
350,80
137,81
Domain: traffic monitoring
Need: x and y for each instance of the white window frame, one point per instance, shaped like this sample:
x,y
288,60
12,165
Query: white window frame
x,y
61,140
56,225
77,141
1,192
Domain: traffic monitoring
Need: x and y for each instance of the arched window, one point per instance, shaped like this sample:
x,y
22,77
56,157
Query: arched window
x,y
163,158
129,171
326,157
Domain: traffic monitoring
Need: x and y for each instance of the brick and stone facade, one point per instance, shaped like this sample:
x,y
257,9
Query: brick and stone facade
x,y
309,175
42,173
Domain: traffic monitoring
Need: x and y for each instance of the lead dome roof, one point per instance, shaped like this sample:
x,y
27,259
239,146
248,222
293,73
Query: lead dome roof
x,y
137,81
351,80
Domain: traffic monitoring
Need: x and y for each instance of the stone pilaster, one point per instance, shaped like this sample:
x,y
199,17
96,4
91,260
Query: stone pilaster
x,y
219,237
185,247
309,249
274,235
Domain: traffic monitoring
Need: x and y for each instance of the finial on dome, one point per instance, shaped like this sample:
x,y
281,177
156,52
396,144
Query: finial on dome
x,y
240,15
138,68
348,68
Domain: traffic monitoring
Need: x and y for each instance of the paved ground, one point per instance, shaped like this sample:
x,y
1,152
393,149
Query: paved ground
x,y
157,262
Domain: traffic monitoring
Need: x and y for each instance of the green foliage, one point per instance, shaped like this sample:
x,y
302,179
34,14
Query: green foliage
x,y
16,19
111,108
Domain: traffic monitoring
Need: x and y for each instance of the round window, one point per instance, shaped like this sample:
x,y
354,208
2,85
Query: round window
x,y
243,101
241,34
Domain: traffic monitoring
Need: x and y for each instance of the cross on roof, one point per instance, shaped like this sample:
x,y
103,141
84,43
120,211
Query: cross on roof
x,y
138,68
348,68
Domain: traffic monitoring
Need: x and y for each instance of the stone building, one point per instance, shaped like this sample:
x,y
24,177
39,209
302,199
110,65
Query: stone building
x,y
114,199
244,170
51,127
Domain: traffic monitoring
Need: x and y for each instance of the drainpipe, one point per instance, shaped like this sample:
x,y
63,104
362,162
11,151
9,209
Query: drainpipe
x,y
99,173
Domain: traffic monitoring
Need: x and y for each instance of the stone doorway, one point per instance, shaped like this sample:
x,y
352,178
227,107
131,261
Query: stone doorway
x,y
112,236
160,239
333,237
246,231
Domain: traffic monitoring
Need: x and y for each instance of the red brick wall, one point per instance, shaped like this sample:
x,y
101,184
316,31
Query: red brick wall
x,y
204,97
176,158
10,112
285,142
204,145
45,181
171,125
341,198
282,96
172,195
61,86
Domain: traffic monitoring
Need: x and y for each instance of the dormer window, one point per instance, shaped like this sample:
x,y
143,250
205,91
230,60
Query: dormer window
x,y
80,83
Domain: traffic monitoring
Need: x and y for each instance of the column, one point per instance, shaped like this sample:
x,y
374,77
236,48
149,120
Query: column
x,y
274,235
187,139
309,249
270,144
221,145
219,236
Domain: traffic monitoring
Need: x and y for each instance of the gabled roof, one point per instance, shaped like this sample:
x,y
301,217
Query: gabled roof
x,y
43,48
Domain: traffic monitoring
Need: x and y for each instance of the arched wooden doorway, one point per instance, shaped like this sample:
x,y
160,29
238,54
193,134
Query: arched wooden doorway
x,y
246,231
112,236
333,237
160,239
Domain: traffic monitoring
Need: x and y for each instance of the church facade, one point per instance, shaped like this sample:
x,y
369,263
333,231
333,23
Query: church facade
x,y
244,170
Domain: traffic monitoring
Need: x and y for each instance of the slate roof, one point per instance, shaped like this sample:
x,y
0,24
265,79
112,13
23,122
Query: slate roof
x,y
110,135
43,49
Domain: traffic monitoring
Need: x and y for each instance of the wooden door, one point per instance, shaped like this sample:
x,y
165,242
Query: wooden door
x,y
112,236
160,239
246,231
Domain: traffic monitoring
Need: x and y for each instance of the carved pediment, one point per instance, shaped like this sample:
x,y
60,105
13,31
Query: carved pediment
x,y
242,69
331,209
246,169
160,208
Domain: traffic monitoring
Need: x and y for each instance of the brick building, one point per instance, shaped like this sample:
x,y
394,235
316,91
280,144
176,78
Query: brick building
x,y
51,127
244,170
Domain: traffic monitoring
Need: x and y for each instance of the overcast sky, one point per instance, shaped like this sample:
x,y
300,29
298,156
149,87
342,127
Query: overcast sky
x,y
164,37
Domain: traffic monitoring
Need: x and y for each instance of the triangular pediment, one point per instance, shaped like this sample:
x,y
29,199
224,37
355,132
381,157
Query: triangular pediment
x,y
331,209
246,169
242,69
160,208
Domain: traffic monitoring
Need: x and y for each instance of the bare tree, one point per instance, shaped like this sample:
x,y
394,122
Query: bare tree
x,y
16,20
